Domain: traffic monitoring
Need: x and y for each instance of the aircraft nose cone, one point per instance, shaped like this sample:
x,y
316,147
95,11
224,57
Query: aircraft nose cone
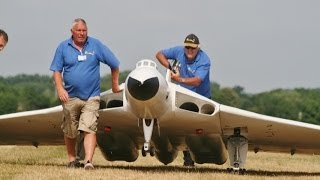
x,y
145,90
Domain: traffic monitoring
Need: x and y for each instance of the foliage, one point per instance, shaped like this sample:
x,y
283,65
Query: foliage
x,y
106,80
28,92
296,104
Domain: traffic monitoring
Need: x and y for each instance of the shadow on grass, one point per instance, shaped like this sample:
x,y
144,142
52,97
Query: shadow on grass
x,y
168,169
198,169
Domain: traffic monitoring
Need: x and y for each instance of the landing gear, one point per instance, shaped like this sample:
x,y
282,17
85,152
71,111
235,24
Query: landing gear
x,y
237,150
151,151
144,152
147,131
239,171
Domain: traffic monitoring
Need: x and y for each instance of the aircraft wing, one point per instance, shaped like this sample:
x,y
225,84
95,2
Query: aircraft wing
x,y
271,133
264,133
36,127
32,127
161,118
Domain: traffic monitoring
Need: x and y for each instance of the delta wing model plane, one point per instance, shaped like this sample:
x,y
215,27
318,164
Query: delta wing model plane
x,y
161,118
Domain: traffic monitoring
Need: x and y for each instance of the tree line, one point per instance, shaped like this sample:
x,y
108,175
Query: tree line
x,y
29,92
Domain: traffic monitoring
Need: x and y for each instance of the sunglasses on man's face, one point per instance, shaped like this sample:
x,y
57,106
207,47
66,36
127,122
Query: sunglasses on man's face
x,y
189,47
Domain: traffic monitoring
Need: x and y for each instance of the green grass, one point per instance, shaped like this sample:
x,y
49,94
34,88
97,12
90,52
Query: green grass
x,y
48,162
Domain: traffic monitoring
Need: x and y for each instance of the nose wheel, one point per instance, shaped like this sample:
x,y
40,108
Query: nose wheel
x,y
147,131
150,150
236,170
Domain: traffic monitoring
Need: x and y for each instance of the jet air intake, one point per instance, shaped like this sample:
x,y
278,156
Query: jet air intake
x,y
143,90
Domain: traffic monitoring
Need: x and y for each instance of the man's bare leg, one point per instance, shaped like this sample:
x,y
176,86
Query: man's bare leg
x,y
70,145
90,143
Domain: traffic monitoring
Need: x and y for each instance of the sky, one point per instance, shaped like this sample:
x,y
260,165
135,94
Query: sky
x,y
259,45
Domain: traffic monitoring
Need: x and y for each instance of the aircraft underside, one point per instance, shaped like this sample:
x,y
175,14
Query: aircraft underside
x,y
120,146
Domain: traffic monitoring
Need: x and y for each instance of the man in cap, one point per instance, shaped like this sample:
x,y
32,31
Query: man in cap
x,y
3,39
194,71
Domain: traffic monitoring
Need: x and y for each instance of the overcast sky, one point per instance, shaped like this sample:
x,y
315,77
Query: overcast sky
x,y
257,44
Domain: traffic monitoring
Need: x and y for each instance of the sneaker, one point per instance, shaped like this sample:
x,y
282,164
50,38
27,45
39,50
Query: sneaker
x,y
74,164
88,166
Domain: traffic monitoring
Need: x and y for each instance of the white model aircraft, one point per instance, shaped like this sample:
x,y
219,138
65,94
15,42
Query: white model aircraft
x,y
161,118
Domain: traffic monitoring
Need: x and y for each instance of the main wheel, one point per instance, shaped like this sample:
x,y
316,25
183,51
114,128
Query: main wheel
x,y
143,152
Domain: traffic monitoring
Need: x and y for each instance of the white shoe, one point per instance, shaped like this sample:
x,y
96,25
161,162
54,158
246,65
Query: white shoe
x,y
88,166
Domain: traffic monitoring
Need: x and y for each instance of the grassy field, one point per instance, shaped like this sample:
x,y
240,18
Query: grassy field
x,y
48,162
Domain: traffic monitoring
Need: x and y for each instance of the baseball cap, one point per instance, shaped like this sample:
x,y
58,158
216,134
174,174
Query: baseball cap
x,y
192,41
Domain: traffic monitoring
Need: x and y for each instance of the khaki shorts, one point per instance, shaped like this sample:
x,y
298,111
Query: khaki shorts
x,y
80,115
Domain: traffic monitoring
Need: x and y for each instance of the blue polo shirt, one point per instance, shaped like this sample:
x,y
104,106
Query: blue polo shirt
x,y
81,69
199,67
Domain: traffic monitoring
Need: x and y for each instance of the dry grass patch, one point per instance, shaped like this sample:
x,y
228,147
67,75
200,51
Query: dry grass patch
x,y
48,162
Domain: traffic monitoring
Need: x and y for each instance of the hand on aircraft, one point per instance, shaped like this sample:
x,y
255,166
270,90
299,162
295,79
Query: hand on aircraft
x,y
175,75
116,88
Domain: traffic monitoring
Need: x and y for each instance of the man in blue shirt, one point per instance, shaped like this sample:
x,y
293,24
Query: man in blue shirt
x,y
76,73
194,71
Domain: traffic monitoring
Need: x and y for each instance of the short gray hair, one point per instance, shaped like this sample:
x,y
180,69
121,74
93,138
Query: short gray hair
x,y
76,21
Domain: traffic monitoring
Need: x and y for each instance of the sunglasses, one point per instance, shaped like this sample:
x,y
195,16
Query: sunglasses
x,y
189,47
